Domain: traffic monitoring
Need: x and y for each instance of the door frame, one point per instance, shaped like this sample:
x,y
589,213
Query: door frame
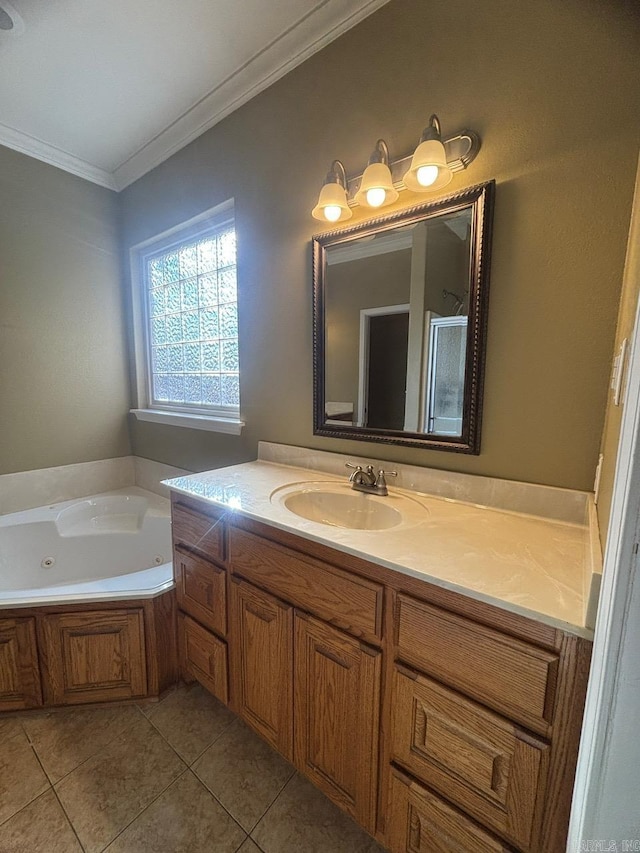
x,y
363,352
615,662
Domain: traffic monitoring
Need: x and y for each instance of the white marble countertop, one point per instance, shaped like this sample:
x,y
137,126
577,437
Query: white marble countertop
x,y
538,567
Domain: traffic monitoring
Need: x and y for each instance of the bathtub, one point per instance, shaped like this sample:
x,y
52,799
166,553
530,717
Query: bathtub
x,y
112,546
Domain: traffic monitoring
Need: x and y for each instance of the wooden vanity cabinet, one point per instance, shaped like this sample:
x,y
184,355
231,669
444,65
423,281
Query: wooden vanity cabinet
x,y
262,663
19,670
199,553
95,656
422,822
75,654
485,764
203,657
201,590
336,713
441,724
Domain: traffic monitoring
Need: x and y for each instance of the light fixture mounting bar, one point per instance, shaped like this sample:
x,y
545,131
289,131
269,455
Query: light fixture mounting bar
x,y
460,150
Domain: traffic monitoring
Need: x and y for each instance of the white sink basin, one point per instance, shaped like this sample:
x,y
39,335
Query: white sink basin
x,y
339,505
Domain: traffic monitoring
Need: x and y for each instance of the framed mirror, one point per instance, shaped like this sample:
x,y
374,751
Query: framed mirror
x,y
399,318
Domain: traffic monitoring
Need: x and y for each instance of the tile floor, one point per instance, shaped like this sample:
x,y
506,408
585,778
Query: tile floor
x,y
180,776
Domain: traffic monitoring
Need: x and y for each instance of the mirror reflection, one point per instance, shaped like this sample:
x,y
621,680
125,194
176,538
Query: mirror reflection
x,y
397,307
399,322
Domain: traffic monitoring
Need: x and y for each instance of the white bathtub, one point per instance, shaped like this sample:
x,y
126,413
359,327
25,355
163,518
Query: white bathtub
x,y
111,546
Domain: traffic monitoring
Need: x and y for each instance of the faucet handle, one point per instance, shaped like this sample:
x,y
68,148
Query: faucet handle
x,y
382,475
356,470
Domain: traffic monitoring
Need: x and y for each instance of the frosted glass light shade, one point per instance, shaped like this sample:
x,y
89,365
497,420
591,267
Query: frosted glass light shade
x,y
420,178
332,204
376,186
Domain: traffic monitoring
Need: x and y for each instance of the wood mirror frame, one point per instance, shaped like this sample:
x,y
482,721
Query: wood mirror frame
x,y
479,201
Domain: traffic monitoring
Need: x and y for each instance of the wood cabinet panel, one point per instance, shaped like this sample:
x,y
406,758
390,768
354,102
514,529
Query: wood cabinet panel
x,y
262,664
203,657
201,588
508,675
337,700
201,532
94,656
480,761
347,600
19,671
420,822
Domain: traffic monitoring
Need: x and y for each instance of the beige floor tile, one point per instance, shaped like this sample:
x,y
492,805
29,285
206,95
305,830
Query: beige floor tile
x,y
243,772
103,795
10,727
41,827
185,819
190,719
21,777
304,819
64,739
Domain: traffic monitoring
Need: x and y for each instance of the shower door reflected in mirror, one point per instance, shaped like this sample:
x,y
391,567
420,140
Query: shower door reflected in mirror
x,y
399,316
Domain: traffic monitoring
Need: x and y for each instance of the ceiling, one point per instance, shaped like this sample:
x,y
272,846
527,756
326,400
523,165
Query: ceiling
x,y
107,90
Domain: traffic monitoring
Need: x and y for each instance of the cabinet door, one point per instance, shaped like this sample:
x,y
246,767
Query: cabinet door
x,y
95,656
337,699
19,672
262,671
203,657
201,589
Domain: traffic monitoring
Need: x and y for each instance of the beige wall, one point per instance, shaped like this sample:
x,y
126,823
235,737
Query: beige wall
x,y
552,89
64,388
626,321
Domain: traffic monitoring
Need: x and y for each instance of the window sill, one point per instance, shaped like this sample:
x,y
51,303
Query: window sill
x,y
211,423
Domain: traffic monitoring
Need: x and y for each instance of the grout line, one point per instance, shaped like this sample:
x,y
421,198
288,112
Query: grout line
x,y
144,808
217,799
70,822
202,752
40,793
22,808
293,773
88,758
272,803
140,813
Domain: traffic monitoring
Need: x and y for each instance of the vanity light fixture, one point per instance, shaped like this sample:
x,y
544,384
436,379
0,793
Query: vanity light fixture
x,y
332,203
376,186
428,169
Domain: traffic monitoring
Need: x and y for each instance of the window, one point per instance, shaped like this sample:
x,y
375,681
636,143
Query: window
x,y
185,300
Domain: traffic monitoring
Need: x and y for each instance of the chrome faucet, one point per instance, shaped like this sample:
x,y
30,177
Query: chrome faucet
x,y
366,480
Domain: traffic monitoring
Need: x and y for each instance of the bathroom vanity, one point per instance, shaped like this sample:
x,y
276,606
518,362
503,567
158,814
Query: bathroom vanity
x,y
440,717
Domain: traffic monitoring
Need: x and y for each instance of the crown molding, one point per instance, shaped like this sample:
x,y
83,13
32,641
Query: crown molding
x,y
322,25
319,28
34,147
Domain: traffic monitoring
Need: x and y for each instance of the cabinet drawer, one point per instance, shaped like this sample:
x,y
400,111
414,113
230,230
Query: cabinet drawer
x,y
197,531
349,601
482,762
500,671
204,656
201,589
420,822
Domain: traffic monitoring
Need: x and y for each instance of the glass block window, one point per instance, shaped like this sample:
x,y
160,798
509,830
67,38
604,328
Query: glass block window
x,y
191,307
